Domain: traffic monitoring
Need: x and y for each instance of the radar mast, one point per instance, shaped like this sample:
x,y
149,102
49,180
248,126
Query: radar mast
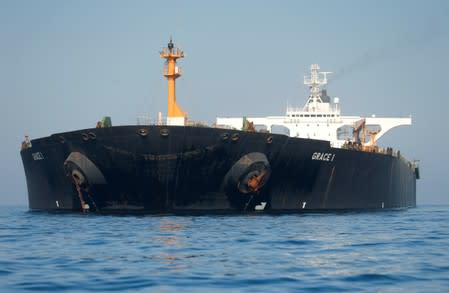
x,y
175,115
314,82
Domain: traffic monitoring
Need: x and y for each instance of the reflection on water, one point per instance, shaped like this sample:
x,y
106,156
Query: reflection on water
x,y
172,239
357,252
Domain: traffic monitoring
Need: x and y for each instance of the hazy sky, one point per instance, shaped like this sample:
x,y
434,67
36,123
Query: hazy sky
x,y
65,64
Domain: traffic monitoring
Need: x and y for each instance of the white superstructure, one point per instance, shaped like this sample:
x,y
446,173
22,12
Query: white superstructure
x,y
320,118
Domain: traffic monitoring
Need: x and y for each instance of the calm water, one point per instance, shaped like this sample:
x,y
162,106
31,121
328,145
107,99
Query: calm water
x,y
389,251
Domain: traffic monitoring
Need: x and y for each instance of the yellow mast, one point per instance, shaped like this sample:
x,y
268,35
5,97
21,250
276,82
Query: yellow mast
x,y
172,72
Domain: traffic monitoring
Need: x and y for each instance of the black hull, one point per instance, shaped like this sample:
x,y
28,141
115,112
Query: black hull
x,y
173,169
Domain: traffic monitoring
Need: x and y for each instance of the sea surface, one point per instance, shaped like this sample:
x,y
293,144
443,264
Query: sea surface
x,y
384,251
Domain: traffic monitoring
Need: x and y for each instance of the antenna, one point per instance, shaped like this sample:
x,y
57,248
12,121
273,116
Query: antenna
x,y
314,82
325,73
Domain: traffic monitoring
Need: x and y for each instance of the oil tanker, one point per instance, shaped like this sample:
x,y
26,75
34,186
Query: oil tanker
x,y
321,160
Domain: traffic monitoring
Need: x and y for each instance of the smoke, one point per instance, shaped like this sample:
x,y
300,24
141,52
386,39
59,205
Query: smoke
x,y
401,45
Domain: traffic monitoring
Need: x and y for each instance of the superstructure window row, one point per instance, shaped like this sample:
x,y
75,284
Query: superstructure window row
x,y
314,115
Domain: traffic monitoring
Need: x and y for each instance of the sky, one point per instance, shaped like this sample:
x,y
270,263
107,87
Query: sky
x,y
66,64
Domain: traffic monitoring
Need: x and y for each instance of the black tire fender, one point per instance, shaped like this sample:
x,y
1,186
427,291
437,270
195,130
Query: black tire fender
x,y
84,169
249,174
